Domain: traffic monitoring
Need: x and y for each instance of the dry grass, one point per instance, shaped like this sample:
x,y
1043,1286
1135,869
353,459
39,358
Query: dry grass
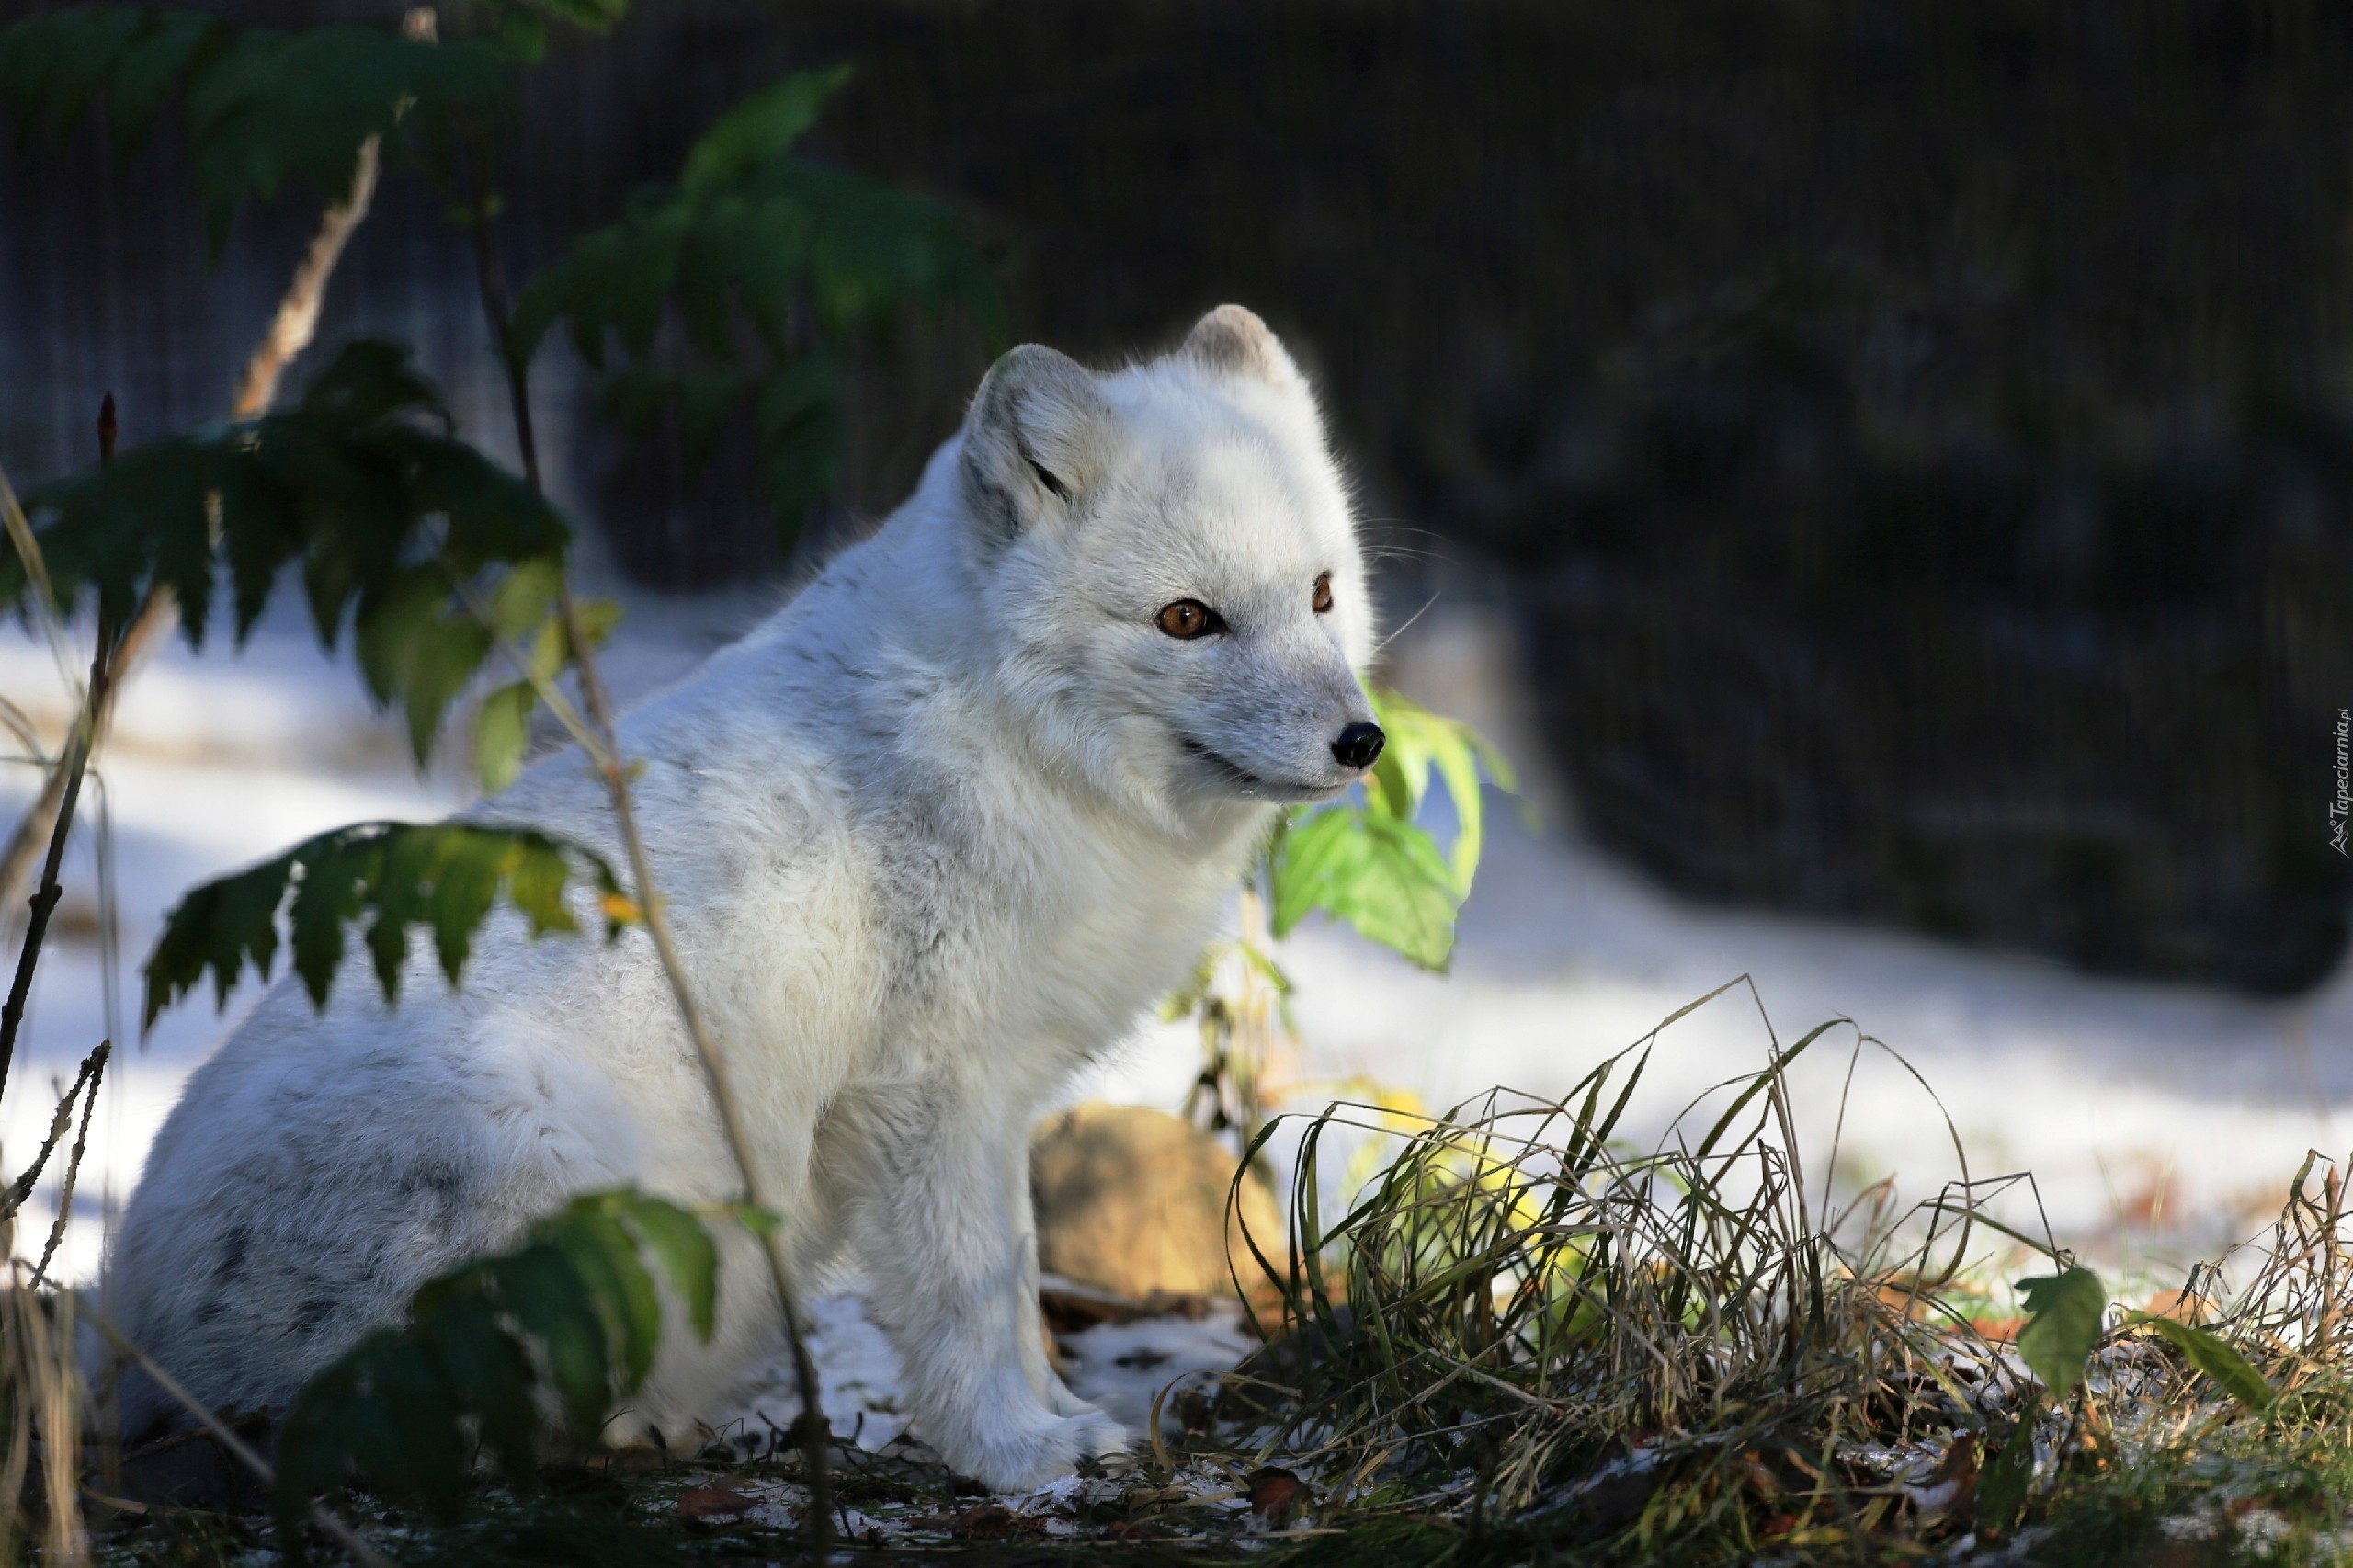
x,y
41,1405
1523,1339
1529,1330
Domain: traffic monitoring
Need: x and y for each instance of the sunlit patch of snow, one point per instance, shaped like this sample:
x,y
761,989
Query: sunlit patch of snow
x,y
2159,1120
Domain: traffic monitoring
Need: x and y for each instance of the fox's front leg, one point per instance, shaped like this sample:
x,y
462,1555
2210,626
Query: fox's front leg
x,y
954,1283
1022,1217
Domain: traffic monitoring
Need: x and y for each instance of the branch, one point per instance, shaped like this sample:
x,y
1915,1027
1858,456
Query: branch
x,y
95,1066
71,766
298,313
13,1198
290,333
600,737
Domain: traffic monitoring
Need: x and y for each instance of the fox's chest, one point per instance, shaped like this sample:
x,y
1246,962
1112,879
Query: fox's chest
x,y
1068,950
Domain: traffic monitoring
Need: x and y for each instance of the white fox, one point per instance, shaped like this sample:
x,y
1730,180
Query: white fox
x,y
932,837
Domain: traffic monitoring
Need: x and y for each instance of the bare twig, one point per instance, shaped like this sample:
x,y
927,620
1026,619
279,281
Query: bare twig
x,y
22,1188
69,767
2334,1186
290,331
714,1067
93,1070
600,737
238,1450
297,321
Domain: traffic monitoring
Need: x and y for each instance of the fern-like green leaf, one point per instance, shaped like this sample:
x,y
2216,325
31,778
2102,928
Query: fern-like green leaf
x,y
441,877
571,1314
773,266
395,524
262,109
752,135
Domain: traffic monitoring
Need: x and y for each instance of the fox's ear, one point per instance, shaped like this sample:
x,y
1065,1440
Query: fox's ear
x,y
1234,341
1036,440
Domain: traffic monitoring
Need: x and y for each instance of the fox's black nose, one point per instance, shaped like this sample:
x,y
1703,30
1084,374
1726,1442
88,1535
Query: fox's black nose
x,y
1359,746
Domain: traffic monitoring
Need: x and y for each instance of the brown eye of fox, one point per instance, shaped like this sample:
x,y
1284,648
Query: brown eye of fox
x,y
1187,618
1323,600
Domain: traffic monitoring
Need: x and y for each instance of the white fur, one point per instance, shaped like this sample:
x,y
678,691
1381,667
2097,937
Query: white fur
x,y
932,837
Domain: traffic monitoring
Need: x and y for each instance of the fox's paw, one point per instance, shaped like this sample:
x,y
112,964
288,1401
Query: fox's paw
x,y
1019,1451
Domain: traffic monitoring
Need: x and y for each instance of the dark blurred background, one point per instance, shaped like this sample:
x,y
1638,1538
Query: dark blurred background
x,y
1912,444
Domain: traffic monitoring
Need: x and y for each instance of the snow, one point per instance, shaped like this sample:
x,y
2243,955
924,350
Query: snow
x,y
2159,1120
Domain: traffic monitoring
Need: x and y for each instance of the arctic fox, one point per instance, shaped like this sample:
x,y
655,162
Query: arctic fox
x,y
932,837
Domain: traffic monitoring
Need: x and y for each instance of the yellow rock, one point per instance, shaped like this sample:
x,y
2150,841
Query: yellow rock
x,y
1133,1201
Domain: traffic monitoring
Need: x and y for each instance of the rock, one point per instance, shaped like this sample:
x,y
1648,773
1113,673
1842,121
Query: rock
x,y
1133,1201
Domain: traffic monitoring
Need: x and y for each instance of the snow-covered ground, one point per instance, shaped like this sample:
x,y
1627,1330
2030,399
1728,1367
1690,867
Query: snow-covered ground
x,y
2159,1119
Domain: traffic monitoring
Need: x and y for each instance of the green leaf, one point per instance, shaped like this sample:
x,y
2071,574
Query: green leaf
x,y
524,597
391,519
444,877
1419,741
687,1255
776,268
1373,864
486,1361
2002,1484
641,397
402,612
424,1409
2064,1319
52,66
535,885
1382,875
598,617
172,46
603,1254
760,129
546,1294
2214,1355
441,660
262,108
272,109
523,24
798,418
569,1317
501,729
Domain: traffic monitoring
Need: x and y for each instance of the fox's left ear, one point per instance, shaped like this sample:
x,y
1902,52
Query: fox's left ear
x,y
1038,436
1233,340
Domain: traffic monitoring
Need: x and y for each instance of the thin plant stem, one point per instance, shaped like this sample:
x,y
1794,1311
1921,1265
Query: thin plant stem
x,y
606,749
94,1071
93,1067
72,765
238,1450
290,331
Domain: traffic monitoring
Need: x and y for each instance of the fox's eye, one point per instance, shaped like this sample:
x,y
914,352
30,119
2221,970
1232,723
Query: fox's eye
x,y
1323,599
1187,618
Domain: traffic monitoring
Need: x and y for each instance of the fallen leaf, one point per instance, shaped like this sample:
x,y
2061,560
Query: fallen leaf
x,y
986,1522
715,1507
1275,1495
1953,1487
